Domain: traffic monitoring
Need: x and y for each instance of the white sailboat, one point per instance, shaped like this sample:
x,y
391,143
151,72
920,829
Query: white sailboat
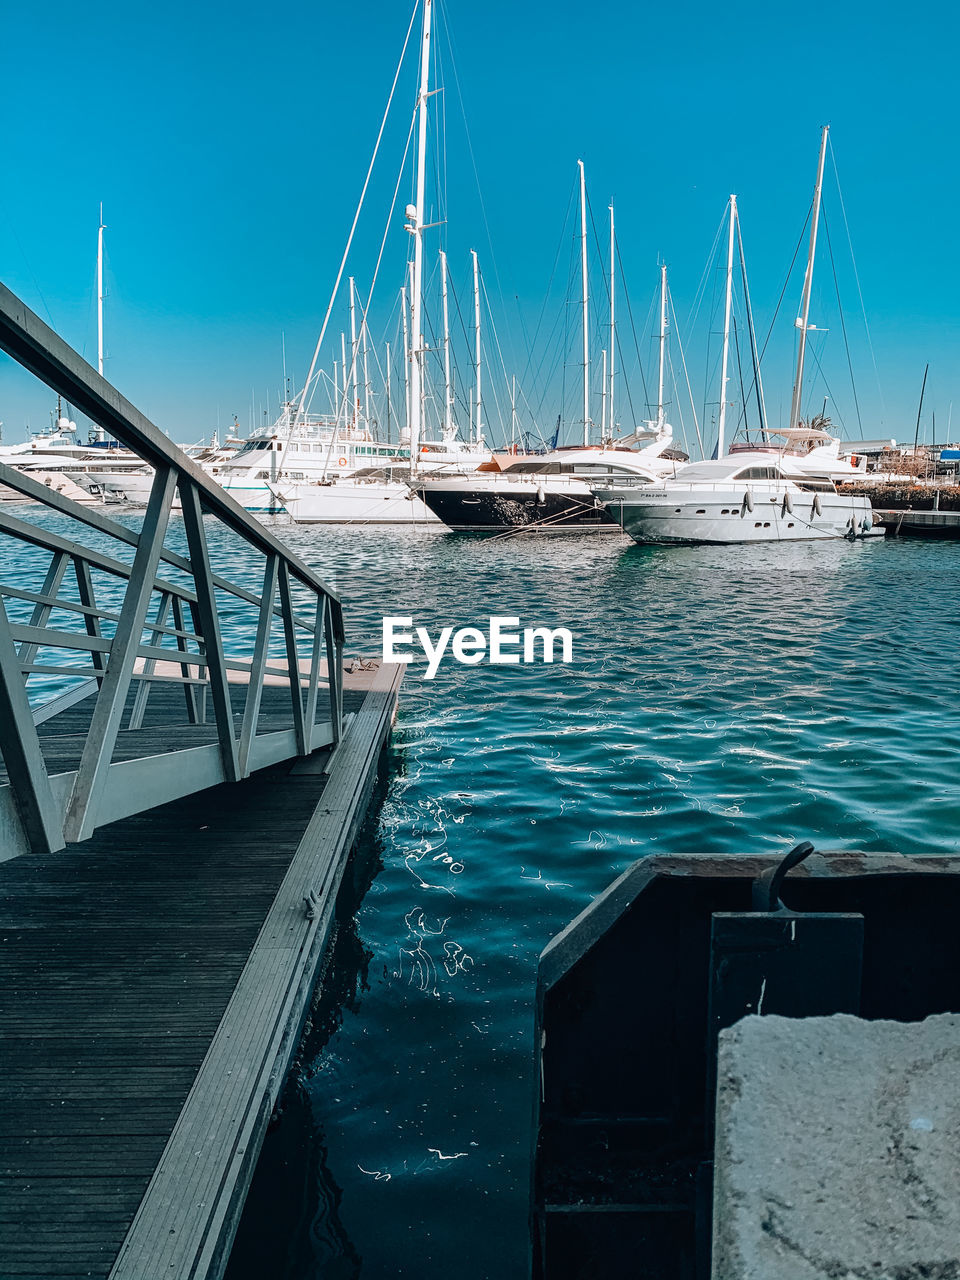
x,y
378,493
751,495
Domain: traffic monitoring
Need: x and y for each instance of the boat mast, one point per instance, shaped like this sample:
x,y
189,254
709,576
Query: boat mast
x,y
585,306
476,325
406,360
755,355
448,385
663,345
513,413
389,380
415,227
728,299
100,293
808,283
366,372
353,352
603,396
613,331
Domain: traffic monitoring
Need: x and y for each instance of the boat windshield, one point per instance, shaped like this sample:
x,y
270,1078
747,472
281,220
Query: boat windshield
x,y
711,472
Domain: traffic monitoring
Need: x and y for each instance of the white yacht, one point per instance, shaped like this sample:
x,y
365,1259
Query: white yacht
x,y
749,497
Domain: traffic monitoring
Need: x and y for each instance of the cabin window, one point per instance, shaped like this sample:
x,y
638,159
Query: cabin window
x,y
758,473
701,511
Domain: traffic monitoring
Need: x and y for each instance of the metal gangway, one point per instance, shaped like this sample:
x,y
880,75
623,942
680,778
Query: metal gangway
x,y
170,677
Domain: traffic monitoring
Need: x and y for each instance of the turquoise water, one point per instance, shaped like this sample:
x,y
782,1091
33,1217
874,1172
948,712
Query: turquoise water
x,y
727,699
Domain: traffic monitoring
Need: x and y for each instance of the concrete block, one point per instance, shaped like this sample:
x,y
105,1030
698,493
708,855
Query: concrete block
x,y
838,1150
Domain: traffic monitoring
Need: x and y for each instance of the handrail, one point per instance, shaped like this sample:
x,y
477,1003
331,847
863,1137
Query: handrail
x,y
25,337
164,630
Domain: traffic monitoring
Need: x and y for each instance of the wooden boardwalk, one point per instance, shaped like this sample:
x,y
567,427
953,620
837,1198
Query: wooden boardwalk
x,y
153,984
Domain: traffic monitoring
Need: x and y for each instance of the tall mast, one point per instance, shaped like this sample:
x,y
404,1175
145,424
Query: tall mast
x,y
513,412
448,385
100,293
603,396
415,227
728,299
366,372
663,344
808,283
353,352
406,363
389,380
476,325
585,306
611,422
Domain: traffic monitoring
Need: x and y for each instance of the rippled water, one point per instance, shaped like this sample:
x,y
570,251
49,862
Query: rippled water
x,y
726,699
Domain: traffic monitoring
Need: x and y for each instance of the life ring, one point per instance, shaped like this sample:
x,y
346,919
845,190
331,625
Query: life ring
x,y
747,503
341,462
817,506
787,508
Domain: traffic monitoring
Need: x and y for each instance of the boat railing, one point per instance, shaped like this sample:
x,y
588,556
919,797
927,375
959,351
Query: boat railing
x,y
97,611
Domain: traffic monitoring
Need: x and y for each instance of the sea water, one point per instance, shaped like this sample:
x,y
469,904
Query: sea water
x,y
719,699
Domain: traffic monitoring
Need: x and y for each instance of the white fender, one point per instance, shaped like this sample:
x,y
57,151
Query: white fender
x,y
787,508
747,502
817,505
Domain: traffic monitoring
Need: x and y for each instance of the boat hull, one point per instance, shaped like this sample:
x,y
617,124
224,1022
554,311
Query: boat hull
x,y
361,503
479,511
727,517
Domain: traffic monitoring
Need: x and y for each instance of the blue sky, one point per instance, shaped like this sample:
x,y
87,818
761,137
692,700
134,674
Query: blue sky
x,y
229,143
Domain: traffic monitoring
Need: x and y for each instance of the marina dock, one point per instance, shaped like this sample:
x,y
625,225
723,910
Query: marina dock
x,y
175,820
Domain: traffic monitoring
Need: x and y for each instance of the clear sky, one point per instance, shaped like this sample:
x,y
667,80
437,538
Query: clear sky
x,y
228,144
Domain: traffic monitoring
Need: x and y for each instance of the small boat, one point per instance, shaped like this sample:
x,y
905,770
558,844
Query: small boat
x,y
747,497
631,997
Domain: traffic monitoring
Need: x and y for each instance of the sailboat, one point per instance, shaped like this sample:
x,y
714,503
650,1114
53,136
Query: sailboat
x,y
377,491
755,495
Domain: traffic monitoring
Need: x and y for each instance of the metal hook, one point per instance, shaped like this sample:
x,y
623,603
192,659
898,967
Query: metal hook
x,y
766,887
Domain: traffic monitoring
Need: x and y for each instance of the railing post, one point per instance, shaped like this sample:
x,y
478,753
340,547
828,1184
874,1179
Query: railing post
x,y
251,708
293,659
41,612
143,689
20,748
81,818
314,686
335,677
88,600
190,690
210,626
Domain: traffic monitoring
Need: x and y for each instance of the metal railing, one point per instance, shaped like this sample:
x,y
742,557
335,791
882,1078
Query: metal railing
x,y
146,630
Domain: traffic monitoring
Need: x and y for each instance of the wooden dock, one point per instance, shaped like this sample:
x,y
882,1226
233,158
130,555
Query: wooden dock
x,y
186,761
154,982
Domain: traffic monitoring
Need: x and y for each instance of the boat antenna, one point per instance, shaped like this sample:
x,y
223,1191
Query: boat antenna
x,y
728,299
802,321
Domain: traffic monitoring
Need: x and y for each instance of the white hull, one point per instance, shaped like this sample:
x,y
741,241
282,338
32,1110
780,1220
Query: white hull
x,y
355,502
726,517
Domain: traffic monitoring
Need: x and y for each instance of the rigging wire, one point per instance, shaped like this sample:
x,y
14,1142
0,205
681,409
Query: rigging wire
x,y
356,216
843,324
683,362
856,274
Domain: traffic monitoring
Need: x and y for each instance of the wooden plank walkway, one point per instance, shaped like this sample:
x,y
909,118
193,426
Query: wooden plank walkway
x,y
153,984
